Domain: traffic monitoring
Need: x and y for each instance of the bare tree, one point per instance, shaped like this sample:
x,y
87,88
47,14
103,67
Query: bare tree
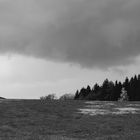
x,y
48,97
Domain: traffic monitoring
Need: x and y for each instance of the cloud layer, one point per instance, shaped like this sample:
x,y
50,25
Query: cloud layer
x,y
92,33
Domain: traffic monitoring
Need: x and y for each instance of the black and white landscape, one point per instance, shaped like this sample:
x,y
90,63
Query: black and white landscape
x,y
69,69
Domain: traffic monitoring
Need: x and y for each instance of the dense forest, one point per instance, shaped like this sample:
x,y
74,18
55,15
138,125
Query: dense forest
x,y
110,91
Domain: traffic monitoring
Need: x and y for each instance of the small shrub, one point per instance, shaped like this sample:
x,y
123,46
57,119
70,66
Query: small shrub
x,y
48,97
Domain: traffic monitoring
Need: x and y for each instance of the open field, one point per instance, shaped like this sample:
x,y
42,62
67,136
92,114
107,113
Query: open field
x,y
55,120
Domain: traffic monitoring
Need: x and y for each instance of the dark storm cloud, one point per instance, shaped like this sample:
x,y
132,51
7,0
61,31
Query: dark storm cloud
x,y
92,33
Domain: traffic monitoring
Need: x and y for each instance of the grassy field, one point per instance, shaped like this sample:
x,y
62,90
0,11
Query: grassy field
x,y
55,120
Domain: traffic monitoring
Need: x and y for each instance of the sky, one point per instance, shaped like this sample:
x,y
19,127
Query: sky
x,y
59,46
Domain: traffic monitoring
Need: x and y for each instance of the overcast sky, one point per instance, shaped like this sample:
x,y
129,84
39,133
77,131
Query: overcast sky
x,y
57,46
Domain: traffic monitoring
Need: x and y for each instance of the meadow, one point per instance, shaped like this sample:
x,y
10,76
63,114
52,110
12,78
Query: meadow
x,y
64,120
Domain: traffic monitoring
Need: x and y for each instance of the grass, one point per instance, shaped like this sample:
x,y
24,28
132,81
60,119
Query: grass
x,y
59,120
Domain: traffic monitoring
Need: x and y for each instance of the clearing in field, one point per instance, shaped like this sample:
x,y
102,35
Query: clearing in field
x,y
107,108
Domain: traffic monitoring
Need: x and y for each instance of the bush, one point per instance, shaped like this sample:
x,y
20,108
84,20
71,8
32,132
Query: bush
x,y
48,97
67,97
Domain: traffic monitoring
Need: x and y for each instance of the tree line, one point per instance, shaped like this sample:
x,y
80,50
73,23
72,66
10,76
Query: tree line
x,y
110,91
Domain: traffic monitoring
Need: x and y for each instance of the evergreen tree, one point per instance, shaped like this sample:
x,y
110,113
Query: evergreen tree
x,y
88,90
96,88
82,94
123,95
76,95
